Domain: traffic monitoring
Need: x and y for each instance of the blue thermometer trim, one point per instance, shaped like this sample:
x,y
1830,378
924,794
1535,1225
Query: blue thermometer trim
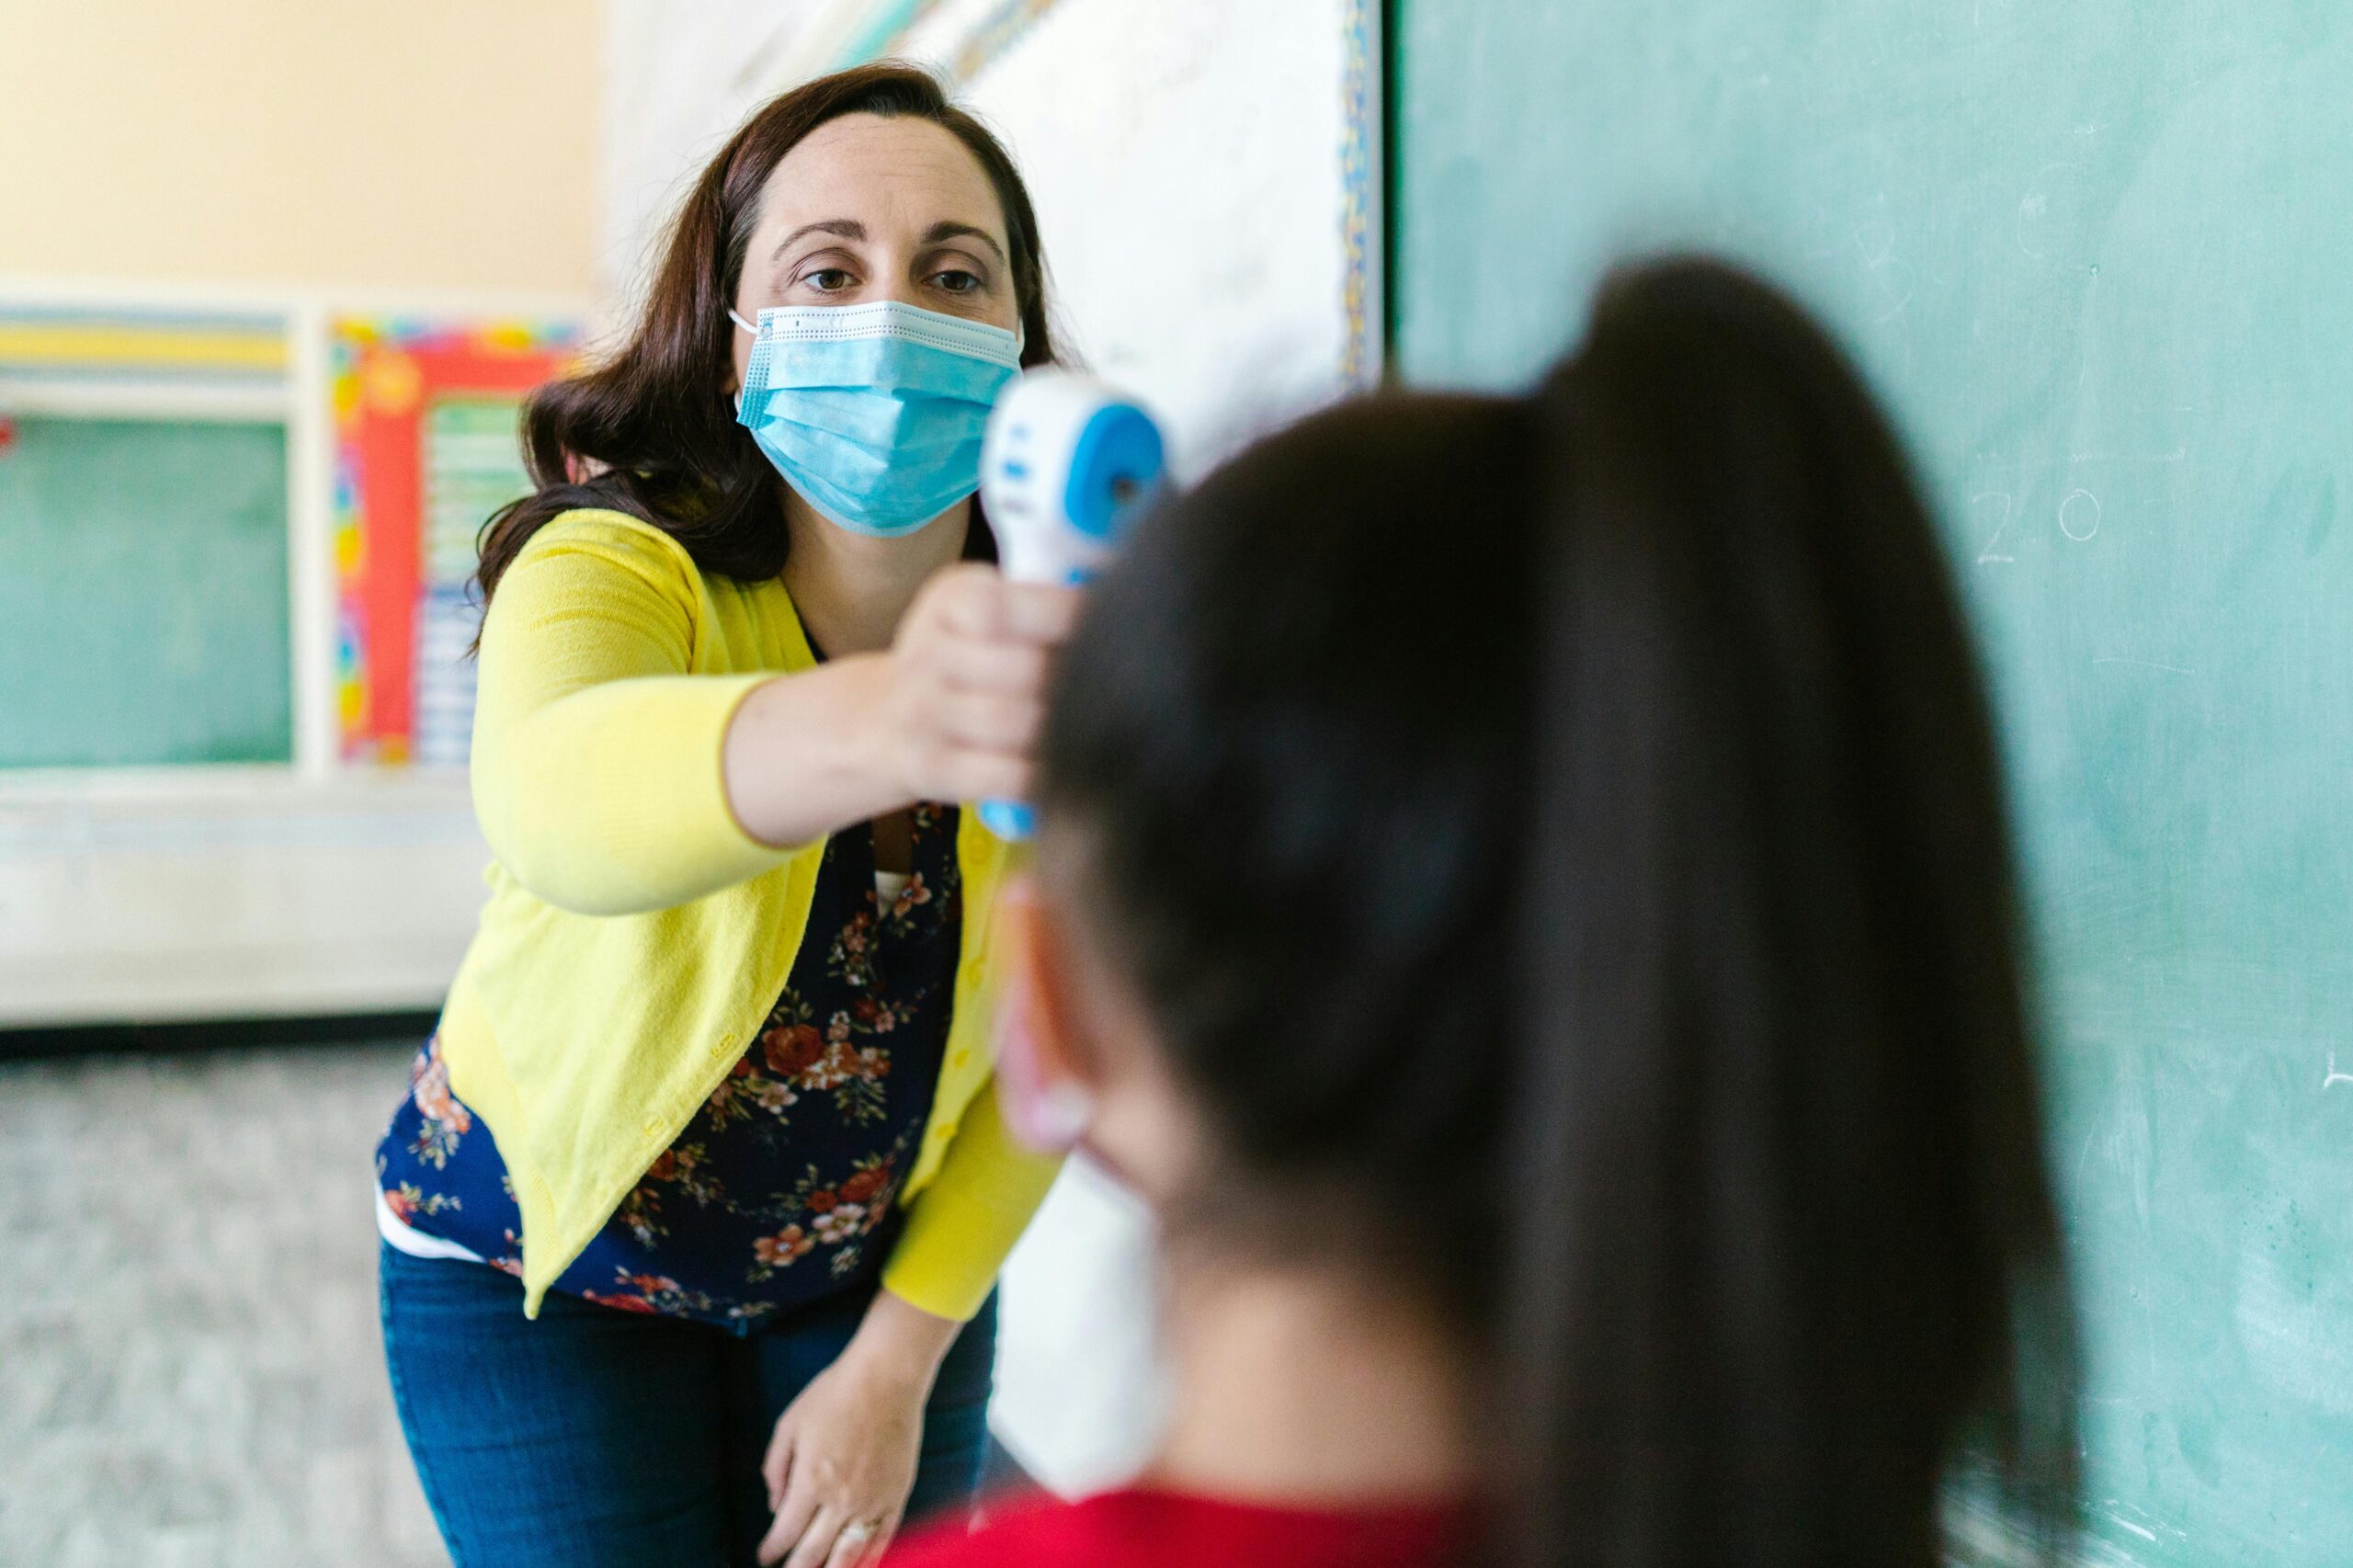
x,y
1009,820
1119,443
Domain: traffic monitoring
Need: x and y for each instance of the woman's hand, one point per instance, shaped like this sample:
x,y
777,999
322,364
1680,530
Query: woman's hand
x,y
963,695
842,1458
950,712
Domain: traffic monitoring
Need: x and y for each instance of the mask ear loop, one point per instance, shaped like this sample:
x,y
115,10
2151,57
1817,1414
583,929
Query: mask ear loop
x,y
747,326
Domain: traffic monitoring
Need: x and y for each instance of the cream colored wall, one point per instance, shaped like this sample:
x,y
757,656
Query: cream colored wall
x,y
347,144
308,152
681,78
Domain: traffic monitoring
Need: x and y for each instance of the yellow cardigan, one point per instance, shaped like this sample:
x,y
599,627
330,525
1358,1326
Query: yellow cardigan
x,y
636,936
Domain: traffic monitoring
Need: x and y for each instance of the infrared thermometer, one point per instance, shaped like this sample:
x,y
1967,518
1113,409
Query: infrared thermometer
x,y
1066,465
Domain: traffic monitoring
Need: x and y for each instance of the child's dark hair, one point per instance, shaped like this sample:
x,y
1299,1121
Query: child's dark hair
x,y
1559,841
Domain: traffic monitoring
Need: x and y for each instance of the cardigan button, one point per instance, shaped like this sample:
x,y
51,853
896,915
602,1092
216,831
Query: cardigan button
x,y
961,1058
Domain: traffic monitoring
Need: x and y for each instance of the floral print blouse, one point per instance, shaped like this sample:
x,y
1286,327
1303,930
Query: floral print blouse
x,y
781,1188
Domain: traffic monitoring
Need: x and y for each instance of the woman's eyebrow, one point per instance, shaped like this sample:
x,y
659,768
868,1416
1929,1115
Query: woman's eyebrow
x,y
951,231
844,228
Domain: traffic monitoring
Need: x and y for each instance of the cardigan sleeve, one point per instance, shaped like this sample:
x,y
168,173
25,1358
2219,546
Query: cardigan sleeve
x,y
960,1227
598,770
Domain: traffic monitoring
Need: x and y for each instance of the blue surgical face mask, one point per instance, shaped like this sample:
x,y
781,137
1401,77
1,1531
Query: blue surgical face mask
x,y
874,413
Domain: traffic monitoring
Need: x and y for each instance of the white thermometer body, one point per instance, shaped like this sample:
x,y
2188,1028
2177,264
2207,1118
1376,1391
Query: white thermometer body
x,y
1065,467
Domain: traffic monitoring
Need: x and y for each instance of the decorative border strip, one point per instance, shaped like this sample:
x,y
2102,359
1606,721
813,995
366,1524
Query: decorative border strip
x,y
980,46
1361,354
54,341
894,19
995,36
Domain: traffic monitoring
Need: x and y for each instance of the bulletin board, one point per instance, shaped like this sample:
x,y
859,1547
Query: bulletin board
x,y
425,450
143,593
143,536
1207,179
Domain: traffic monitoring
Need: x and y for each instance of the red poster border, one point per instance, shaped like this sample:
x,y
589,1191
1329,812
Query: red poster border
x,y
398,383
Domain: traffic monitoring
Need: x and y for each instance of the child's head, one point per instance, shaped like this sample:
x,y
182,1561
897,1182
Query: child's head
x,y
1546,855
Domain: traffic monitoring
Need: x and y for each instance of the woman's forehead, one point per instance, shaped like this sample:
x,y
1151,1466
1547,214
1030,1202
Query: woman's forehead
x,y
889,174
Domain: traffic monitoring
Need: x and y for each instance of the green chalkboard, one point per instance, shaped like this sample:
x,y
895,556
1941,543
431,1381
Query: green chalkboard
x,y
144,598
2099,254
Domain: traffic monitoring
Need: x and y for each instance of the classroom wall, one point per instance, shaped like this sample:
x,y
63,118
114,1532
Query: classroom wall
x,y
327,142
678,79
285,157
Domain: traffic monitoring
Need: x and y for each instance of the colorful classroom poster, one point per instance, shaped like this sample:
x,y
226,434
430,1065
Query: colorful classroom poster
x,y
426,451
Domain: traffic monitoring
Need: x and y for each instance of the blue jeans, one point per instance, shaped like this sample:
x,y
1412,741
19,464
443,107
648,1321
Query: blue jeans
x,y
599,1438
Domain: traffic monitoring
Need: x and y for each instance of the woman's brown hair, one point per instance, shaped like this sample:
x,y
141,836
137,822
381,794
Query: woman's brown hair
x,y
650,431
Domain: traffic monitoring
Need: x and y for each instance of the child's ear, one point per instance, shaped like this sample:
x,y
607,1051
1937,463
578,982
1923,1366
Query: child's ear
x,y
1063,1048
1048,1070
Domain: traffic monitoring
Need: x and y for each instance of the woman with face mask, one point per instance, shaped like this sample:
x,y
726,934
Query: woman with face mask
x,y
692,1213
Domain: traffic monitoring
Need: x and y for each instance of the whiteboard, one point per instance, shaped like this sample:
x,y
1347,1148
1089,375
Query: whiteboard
x,y
1207,178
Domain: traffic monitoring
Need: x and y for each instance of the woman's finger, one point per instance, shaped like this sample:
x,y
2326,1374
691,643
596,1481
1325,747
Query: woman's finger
x,y
887,1534
993,723
974,601
977,664
1038,612
777,1463
816,1542
859,1543
985,776
793,1522
965,600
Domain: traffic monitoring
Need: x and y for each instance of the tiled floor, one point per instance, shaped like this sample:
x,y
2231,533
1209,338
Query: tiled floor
x,y
191,1372
189,1369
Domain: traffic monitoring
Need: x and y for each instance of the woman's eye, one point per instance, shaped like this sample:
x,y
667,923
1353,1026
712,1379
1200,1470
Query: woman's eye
x,y
957,281
827,279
